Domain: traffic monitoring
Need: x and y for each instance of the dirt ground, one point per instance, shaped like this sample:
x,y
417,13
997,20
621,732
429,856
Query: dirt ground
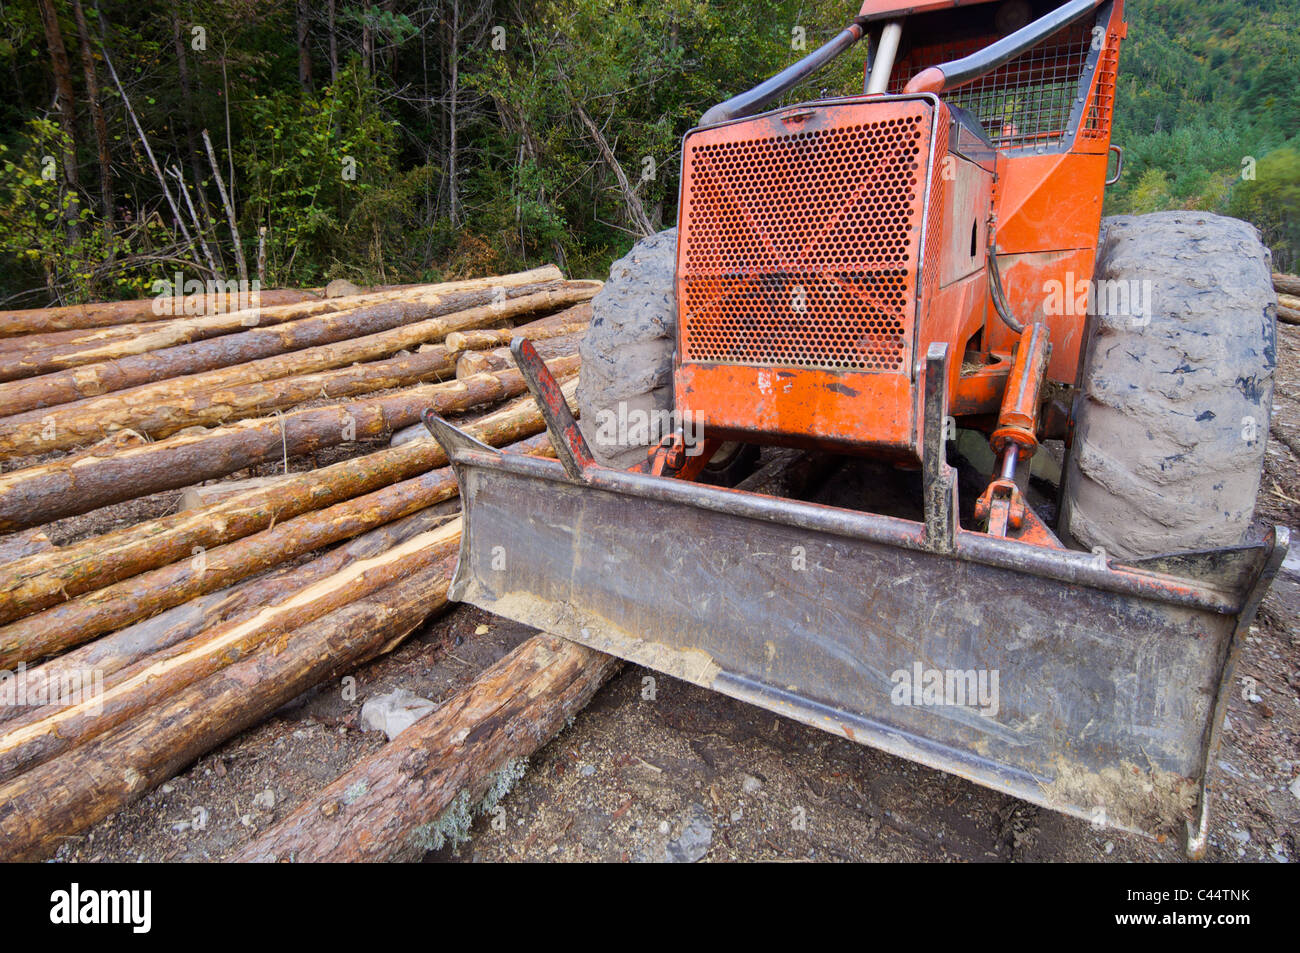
x,y
659,770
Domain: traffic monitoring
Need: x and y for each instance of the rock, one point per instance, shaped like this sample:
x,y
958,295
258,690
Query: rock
x,y
751,784
395,712
695,839
264,799
1295,788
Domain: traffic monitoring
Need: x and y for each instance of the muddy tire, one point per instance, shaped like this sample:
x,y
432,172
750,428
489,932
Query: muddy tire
x,y
627,354
1173,412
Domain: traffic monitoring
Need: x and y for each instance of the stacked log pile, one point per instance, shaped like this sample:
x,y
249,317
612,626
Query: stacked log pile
x,y
148,613
1288,297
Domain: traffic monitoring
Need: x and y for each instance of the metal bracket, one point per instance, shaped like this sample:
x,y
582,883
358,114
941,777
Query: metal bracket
x,y
940,480
570,445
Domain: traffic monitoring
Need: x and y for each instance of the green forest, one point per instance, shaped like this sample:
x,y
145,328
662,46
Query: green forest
x,y
420,141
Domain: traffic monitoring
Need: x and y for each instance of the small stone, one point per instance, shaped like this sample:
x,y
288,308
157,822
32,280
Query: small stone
x,y
168,789
664,827
751,784
737,814
483,630
587,770
394,712
696,837
264,799
1295,788
1110,847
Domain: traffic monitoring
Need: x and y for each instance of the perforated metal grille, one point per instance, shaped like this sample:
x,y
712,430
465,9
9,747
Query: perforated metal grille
x,y
1096,124
800,250
934,215
1027,102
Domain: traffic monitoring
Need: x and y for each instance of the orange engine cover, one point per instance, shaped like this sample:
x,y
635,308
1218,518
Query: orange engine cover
x,y
801,239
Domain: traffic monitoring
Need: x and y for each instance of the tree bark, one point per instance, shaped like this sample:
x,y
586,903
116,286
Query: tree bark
x,y
100,314
62,71
299,347
44,493
1286,284
471,363
47,352
67,794
83,618
304,51
334,43
240,263
98,123
45,734
46,579
508,712
112,653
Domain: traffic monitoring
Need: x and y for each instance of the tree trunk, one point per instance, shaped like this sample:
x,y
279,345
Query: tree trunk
x,y
453,146
487,362
641,223
46,734
1286,284
301,13
105,610
240,263
67,794
101,314
112,653
299,347
62,71
44,493
112,345
508,712
46,579
100,126
334,43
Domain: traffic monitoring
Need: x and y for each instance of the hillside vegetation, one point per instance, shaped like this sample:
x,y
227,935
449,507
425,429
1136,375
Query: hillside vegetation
x,y
414,140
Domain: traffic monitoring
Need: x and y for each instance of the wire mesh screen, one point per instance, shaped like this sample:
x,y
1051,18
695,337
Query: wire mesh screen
x,y
1025,104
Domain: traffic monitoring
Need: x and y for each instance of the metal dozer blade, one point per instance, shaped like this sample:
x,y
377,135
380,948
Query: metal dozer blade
x,y
1063,678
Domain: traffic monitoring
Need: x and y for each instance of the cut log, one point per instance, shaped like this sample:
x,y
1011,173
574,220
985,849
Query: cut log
x,y
44,357
52,491
89,337
103,313
106,656
226,404
197,497
1290,302
482,362
376,810
43,580
470,363
67,794
44,734
491,338
24,543
1287,315
302,347
1286,284
112,607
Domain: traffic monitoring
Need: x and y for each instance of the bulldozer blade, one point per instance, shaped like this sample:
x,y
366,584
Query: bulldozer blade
x,y
1059,677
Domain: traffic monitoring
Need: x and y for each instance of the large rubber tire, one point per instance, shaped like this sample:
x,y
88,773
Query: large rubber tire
x,y
627,354
1173,412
